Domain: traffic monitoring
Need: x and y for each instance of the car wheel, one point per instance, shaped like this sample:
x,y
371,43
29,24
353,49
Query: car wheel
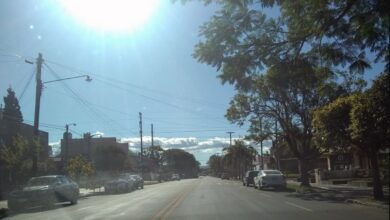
x,y
142,186
74,201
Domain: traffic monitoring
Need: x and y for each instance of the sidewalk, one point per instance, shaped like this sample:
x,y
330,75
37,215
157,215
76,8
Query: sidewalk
x,y
343,193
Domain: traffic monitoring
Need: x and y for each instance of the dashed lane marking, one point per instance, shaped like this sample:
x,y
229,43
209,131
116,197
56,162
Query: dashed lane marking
x,y
298,206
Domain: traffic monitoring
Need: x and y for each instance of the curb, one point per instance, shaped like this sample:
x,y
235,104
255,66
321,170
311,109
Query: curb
x,y
371,204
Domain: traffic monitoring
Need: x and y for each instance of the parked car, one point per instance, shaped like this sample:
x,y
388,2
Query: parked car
x,y
122,184
175,176
270,178
139,181
248,178
44,191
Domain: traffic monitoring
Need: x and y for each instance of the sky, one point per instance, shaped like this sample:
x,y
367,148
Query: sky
x,y
149,69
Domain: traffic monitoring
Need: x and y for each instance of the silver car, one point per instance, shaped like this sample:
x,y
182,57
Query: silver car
x,y
124,183
270,178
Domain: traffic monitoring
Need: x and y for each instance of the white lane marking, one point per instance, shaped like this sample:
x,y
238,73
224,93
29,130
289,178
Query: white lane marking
x,y
298,206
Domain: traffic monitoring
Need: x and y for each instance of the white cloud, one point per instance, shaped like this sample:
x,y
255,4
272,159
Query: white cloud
x,y
201,148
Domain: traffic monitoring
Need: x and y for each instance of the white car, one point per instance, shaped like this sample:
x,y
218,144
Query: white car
x,y
270,178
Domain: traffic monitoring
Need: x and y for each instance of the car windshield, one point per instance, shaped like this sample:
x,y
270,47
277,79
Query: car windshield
x,y
253,173
272,172
42,181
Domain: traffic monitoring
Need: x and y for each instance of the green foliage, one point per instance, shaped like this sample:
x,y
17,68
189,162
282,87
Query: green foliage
x,y
78,167
11,109
241,40
361,120
17,158
154,154
182,162
215,165
238,158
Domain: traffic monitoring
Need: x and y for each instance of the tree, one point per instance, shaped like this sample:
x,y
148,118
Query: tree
x,y
155,156
307,42
290,103
362,121
240,39
215,165
238,158
182,162
79,166
17,158
11,109
12,116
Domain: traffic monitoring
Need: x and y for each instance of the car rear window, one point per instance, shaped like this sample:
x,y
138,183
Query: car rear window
x,y
272,172
41,181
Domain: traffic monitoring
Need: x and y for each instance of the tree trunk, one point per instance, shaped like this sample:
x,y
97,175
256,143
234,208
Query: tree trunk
x,y
304,168
376,179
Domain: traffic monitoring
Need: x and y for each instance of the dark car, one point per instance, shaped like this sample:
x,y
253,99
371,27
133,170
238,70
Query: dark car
x,y
139,181
248,178
44,191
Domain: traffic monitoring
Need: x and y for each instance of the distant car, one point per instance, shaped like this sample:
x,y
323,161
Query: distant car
x,y
175,176
122,184
225,176
139,181
270,178
44,191
248,178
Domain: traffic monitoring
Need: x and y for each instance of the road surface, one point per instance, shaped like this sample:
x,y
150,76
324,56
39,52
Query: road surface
x,y
205,198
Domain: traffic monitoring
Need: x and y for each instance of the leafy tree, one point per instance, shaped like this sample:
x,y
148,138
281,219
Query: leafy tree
x,y
154,154
289,102
11,109
215,165
240,39
300,48
12,116
109,158
79,166
17,158
238,158
182,162
360,120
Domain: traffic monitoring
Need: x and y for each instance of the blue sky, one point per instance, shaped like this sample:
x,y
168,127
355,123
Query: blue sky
x,y
148,70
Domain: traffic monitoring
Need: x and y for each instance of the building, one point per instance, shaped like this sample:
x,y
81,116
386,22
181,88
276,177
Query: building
x,y
86,146
27,131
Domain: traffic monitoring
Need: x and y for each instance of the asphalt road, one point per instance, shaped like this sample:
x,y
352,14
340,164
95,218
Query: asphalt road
x,y
205,198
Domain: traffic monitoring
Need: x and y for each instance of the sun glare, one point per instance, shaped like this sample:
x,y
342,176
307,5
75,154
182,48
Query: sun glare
x,y
111,15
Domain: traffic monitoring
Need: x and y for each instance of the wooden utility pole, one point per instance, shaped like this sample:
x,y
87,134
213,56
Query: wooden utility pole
x,y
151,126
230,134
140,135
38,94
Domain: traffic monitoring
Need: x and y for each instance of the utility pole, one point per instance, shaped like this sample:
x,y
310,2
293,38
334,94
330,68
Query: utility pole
x,y
230,134
140,134
261,144
151,126
38,94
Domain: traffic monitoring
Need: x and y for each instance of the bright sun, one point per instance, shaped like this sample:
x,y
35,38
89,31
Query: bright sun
x,y
111,15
